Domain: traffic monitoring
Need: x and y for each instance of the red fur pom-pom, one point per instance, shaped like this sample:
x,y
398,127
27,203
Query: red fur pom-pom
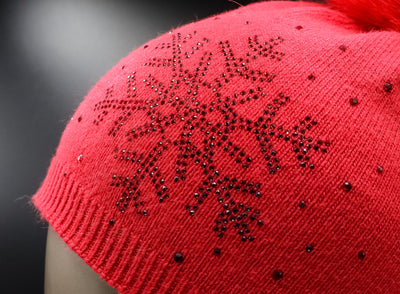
x,y
371,14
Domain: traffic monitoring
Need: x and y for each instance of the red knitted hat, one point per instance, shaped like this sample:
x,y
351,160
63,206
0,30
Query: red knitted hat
x,y
256,151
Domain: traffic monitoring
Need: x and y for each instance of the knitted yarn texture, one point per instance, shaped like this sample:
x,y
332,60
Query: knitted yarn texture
x,y
256,151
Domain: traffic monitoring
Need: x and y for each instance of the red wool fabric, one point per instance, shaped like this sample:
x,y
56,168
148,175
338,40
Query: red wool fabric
x,y
256,151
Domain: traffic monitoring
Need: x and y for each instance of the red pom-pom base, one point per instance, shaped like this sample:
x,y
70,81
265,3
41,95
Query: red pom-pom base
x,y
371,14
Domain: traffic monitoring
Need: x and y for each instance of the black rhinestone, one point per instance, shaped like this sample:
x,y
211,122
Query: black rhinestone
x,y
361,255
278,274
353,101
112,222
178,257
380,169
309,248
388,87
347,186
343,48
302,204
217,251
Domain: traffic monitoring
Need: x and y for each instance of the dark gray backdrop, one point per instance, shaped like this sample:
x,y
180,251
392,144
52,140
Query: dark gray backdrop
x,y
51,53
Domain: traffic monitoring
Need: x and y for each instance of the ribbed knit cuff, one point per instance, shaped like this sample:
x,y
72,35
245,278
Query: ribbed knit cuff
x,y
84,225
63,203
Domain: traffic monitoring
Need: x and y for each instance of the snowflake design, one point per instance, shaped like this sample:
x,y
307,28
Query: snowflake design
x,y
175,104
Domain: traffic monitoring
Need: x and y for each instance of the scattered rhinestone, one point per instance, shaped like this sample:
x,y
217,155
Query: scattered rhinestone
x,y
277,275
388,87
309,248
353,101
178,257
347,186
361,255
